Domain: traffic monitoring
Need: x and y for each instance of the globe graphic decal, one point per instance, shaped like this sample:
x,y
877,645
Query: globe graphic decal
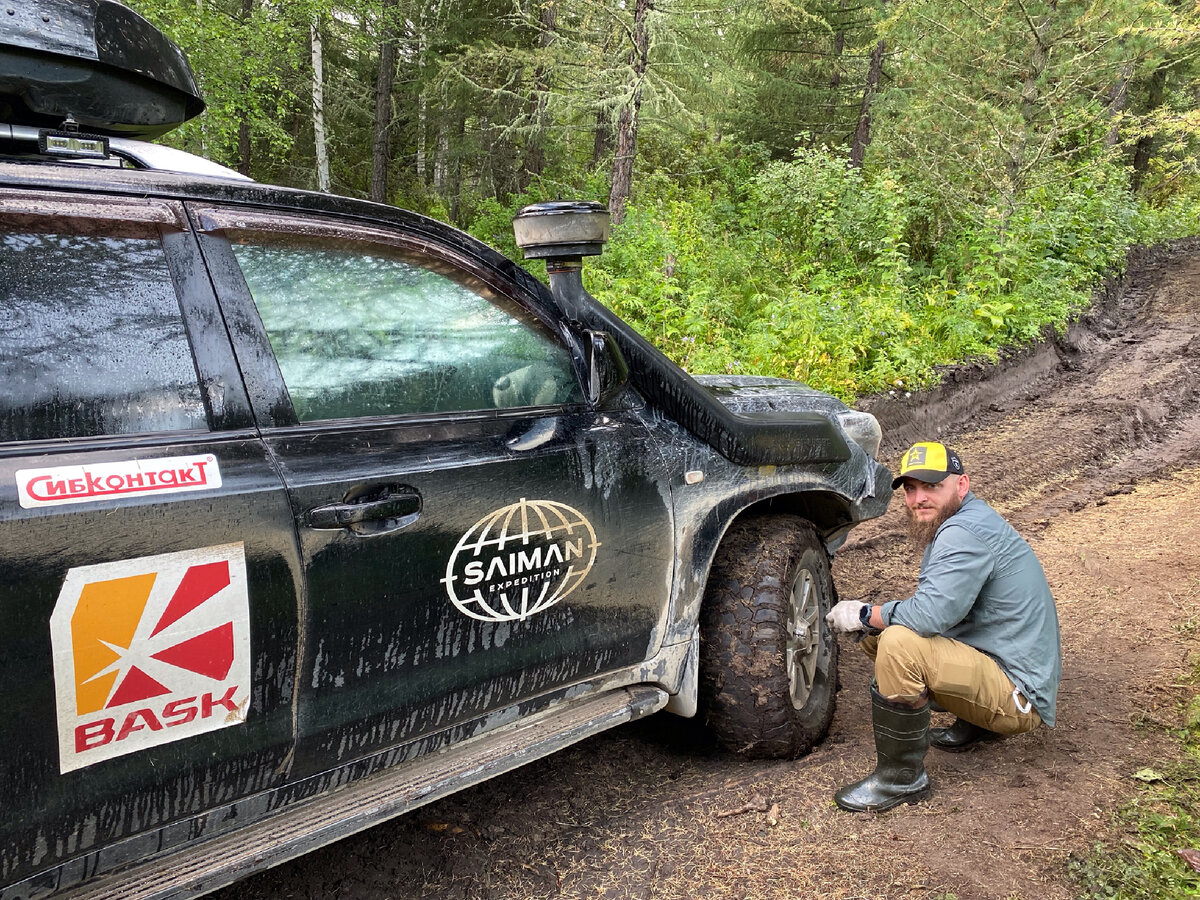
x,y
520,560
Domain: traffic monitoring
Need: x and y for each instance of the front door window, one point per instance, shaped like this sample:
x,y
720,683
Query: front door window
x,y
383,333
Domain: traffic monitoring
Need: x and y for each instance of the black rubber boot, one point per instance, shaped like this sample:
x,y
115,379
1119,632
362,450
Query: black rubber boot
x,y
901,739
960,736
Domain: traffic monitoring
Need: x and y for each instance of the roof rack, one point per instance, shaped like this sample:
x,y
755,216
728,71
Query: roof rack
x,y
140,154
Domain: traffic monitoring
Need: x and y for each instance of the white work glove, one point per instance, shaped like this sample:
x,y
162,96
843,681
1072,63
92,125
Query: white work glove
x,y
844,616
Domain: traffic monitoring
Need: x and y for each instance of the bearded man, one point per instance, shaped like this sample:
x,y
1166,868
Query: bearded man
x,y
979,637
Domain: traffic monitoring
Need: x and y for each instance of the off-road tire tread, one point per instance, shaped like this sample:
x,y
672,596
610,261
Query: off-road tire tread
x,y
744,687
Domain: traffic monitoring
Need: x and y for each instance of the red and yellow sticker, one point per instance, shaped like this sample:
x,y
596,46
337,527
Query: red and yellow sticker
x,y
149,651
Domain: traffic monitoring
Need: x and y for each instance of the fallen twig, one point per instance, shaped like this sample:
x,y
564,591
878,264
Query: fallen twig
x,y
754,804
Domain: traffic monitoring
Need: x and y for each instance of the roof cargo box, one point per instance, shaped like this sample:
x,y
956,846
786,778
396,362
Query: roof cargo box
x,y
96,62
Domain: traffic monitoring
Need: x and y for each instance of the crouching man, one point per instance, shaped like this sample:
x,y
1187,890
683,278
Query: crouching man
x,y
979,637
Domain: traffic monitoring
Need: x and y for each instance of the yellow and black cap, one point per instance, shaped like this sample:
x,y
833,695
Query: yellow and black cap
x,y
928,461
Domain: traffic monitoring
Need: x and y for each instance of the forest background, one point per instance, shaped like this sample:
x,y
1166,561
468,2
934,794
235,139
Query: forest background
x,y
846,192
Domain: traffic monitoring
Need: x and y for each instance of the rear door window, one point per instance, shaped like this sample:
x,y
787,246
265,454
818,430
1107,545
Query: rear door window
x,y
92,341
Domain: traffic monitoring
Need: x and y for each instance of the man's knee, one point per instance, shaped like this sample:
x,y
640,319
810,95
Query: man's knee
x,y
899,642
894,641
901,664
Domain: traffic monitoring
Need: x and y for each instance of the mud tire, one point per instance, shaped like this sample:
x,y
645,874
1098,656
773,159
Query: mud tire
x,y
746,686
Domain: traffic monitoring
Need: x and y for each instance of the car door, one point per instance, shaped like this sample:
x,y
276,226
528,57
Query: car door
x,y
472,533
148,571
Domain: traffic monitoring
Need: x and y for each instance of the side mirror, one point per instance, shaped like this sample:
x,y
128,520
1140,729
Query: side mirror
x,y
608,372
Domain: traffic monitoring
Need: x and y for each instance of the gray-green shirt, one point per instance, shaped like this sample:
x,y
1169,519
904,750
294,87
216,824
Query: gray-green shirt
x,y
981,584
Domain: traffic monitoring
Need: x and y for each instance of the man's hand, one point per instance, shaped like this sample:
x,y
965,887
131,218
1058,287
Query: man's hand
x,y
844,616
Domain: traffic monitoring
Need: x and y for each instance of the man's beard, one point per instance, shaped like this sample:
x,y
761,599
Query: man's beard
x,y
921,532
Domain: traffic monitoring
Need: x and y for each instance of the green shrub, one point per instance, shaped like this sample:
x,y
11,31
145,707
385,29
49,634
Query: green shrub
x,y
805,269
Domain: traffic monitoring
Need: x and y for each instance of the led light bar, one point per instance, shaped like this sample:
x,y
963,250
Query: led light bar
x,y
72,145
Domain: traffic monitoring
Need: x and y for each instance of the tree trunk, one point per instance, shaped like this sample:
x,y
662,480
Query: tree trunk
x,y
1039,58
381,156
535,153
244,145
601,139
862,133
835,77
244,122
488,162
1144,149
839,47
420,42
454,173
627,123
318,107
422,115
441,153
1118,95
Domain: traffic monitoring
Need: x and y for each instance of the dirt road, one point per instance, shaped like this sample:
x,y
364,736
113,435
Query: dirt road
x,y
1091,447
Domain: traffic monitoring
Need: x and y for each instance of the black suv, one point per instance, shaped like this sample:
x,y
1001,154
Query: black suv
x,y
314,510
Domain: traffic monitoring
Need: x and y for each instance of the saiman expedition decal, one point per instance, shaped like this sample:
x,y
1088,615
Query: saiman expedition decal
x,y
149,651
520,560
127,478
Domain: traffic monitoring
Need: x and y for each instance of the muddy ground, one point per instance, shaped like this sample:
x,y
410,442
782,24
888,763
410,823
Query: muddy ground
x,y
1090,445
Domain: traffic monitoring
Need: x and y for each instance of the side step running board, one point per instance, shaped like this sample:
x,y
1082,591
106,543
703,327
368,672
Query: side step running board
x,y
198,869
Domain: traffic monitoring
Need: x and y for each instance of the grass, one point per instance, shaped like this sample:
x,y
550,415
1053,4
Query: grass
x,y
1142,860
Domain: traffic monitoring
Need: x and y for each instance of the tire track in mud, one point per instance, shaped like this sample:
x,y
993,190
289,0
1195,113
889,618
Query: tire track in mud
x,y
1121,403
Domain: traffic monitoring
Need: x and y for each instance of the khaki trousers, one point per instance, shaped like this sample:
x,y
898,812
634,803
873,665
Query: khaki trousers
x,y
961,679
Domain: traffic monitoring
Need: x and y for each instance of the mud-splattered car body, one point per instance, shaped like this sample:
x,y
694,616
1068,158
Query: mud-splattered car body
x,y
314,510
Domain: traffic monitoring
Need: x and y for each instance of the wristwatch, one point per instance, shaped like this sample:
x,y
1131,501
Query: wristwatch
x,y
864,616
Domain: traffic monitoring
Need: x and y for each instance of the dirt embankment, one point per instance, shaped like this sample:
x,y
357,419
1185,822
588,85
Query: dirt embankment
x,y
1090,445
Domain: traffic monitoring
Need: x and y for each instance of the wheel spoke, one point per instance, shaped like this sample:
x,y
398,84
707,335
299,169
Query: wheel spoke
x,y
803,638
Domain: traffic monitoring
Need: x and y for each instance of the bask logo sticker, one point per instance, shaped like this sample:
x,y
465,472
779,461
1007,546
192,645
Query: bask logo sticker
x,y
149,651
